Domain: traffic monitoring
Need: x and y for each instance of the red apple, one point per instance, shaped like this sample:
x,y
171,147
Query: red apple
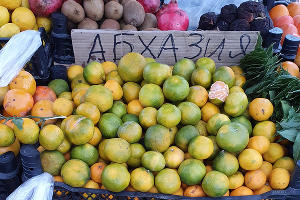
x,y
43,8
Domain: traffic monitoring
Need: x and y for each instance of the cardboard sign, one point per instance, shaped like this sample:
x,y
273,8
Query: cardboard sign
x,y
168,47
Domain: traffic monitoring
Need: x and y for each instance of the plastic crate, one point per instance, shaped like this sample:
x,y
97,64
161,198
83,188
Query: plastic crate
x,y
65,192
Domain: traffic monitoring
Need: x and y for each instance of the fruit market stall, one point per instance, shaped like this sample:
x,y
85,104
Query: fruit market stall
x,y
152,111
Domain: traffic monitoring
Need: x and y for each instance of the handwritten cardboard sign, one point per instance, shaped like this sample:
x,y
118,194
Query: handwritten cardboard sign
x,y
225,48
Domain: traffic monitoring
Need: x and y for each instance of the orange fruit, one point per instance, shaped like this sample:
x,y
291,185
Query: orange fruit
x,y
51,137
75,173
274,152
141,179
109,66
236,180
96,171
114,75
250,159
218,92
208,168
58,179
24,81
209,110
279,179
259,143
17,102
265,128
134,107
194,191
176,88
97,136
131,91
89,110
167,181
7,136
3,91
278,11
173,157
241,191
179,192
198,95
115,88
266,167
260,109
100,96
44,93
285,163
147,117
294,8
29,134
255,179
280,21
43,108
215,184
291,67
263,189
14,147
73,71
63,107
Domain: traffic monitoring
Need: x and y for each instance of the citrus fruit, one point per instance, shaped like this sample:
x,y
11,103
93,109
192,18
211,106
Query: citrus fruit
x,y
215,184
4,16
250,159
274,152
93,73
176,88
209,110
232,137
151,95
17,102
134,107
167,181
236,89
236,180
206,63
75,173
237,70
130,117
200,147
118,108
7,136
24,81
218,93
58,179
156,73
44,93
279,179
265,128
11,5
100,96
197,95
62,107
168,115
263,189
73,71
241,191
147,117
78,129
52,162
173,132
66,95
8,30
240,80
96,171
236,104
157,138
216,147
173,157
23,18
85,152
115,88
77,80
259,143
202,77
51,137
184,136
131,91
114,75
89,110
59,86
141,179
14,147
291,68
190,113
97,136
194,191
260,109
131,67
224,74
29,133
109,66
117,150
91,185
109,124
285,163
130,131
255,179
44,22
226,163
101,150
3,91
243,120
149,60
153,161
191,171
216,122
179,192
266,167
64,147
184,68
137,150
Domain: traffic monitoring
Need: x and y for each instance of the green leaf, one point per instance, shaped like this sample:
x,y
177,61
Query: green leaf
x,y
289,134
18,123
296,148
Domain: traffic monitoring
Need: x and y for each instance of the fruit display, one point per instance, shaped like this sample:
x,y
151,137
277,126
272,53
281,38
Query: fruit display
x,y
188,129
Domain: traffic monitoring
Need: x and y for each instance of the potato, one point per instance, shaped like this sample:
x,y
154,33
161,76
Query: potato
x,y
134,13
113,10
88,24
73,11
94,9
129,27
150,21
110,24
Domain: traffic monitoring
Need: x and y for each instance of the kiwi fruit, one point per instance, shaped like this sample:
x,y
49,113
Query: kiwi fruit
x,y
134,13
150,21
113,10
94,9
110,24
129,27
88,24
73,11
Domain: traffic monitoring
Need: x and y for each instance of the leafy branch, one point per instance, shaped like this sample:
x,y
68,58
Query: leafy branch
x,y
18,121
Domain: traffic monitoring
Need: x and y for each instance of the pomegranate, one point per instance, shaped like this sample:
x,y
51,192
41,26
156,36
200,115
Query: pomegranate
x,y
170,17
150,6
43,8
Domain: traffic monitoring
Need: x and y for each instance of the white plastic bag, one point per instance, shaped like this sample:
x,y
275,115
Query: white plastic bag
x,y
37,188
16,53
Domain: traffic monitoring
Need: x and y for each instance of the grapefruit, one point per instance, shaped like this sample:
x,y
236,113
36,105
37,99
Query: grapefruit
x,y
176,88
191,171
190,113
86,152
156,73
75,173
184,68
157,138
52,162
151,95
